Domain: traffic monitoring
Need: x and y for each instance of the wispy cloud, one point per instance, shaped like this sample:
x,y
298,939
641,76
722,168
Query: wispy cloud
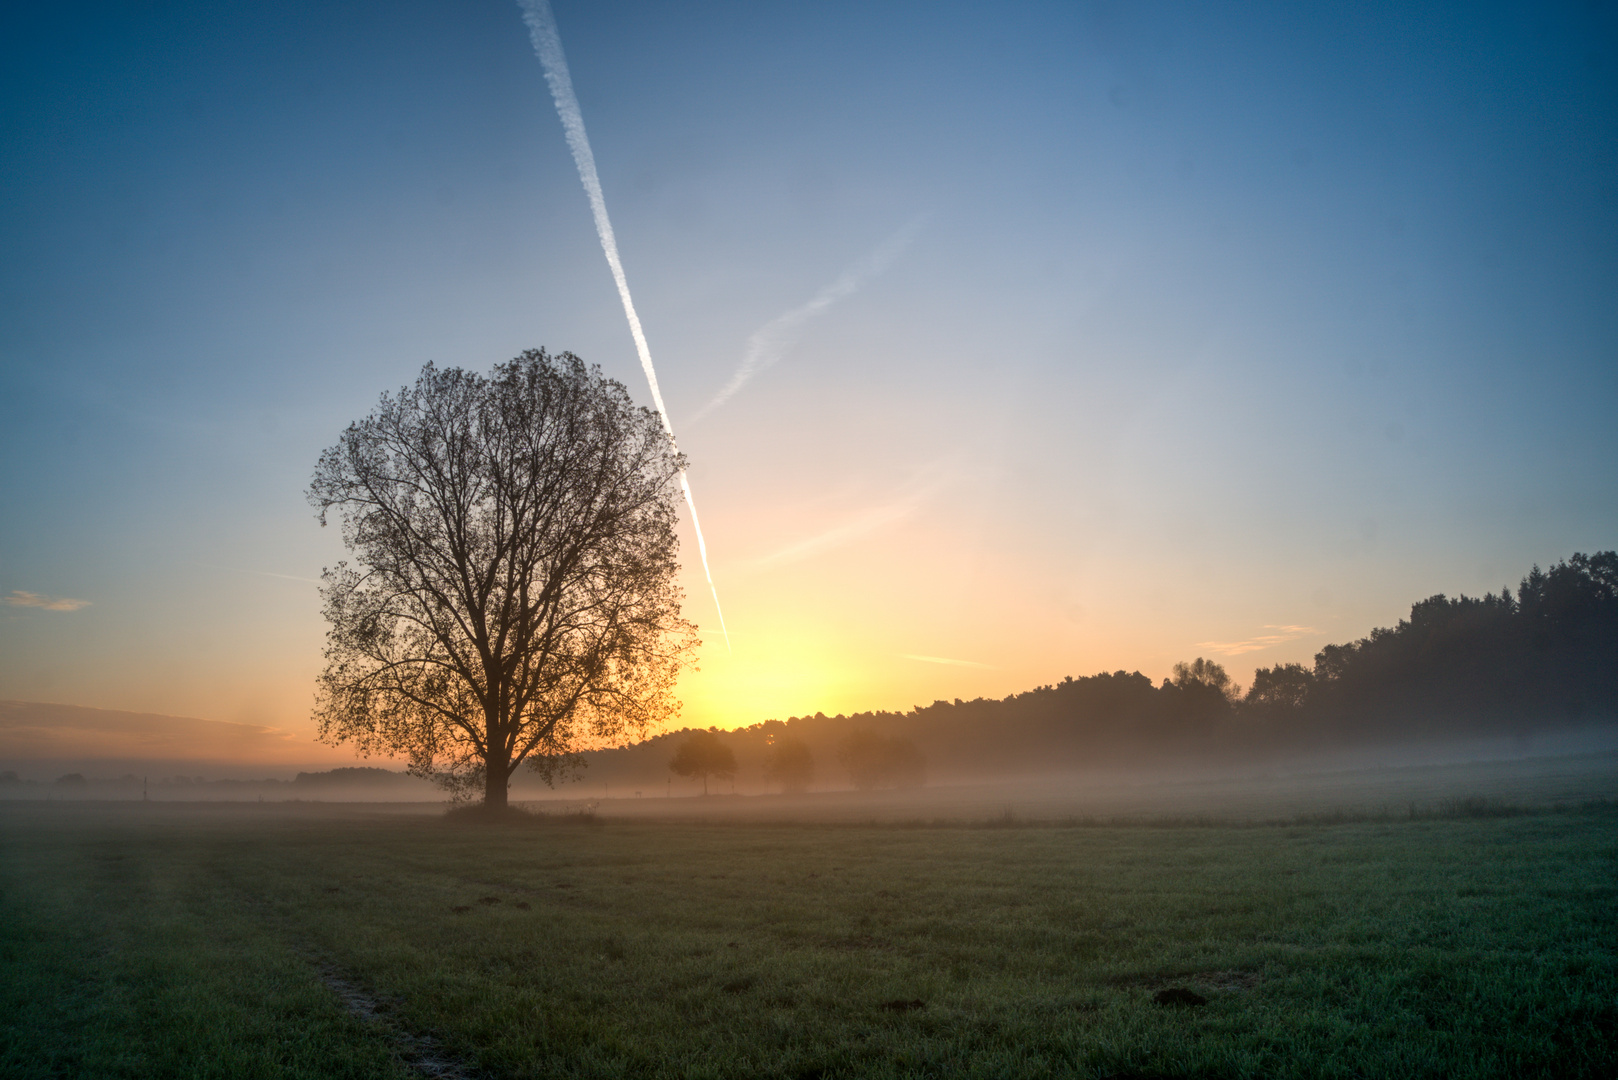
x,y
861,524
770,342
1282,635
260,573
946,660
31,731
19,598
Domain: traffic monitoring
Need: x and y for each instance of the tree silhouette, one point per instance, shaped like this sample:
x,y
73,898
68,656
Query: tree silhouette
x,y
875,761
515,597
1203,675
703,754
790,764
1493,664
1280,692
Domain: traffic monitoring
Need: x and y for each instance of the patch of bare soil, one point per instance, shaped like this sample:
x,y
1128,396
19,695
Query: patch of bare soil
x,y
1179,997
857,941
1222,982
901,1005
1227,981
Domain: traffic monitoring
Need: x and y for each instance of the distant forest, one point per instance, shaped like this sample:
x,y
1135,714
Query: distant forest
x,y
1545,658
334,785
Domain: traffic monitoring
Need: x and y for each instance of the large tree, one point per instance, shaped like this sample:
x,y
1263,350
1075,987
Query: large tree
x,y
514,598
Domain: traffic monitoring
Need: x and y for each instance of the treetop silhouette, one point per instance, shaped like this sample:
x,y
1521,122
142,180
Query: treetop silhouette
x,y
513,599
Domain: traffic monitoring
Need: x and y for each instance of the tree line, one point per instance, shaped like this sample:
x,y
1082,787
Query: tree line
x,y
1506,664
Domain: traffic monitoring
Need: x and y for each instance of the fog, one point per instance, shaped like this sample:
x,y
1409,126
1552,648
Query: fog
x,y
1465,777
1504,683
140,781
1570,767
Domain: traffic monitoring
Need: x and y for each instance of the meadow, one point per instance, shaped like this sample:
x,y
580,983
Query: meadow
x,y
1460,938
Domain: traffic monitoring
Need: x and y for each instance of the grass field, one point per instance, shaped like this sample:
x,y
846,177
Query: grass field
x,y
268,941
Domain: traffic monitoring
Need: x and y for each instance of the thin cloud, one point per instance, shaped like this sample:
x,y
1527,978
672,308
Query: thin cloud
x,y
261,573
946,660
19,598
769,343
33,731
846,533
862,524
1260,641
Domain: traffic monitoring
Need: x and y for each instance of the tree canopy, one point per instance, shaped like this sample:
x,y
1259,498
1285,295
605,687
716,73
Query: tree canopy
x,y
514,598
789,763
875,761
1500,663
703,754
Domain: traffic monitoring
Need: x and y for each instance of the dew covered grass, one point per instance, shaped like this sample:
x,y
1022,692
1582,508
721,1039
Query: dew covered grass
x,y
148,940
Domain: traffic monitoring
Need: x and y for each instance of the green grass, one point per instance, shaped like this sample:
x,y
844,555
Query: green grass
x,y
174,941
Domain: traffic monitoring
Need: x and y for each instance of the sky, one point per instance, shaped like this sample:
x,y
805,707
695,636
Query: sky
x,y
1006,341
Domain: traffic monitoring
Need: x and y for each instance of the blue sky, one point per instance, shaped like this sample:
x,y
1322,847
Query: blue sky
x,y
1209,326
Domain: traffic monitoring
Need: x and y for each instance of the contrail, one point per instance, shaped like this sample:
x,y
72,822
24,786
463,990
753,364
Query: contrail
x,y
548,44
769,342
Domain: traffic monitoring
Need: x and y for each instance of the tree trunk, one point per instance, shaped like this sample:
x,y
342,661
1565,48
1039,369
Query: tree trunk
x,y
496,775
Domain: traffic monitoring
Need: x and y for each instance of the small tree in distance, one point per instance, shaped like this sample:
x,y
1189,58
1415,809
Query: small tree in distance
x,y
702,754
877,761
790,764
